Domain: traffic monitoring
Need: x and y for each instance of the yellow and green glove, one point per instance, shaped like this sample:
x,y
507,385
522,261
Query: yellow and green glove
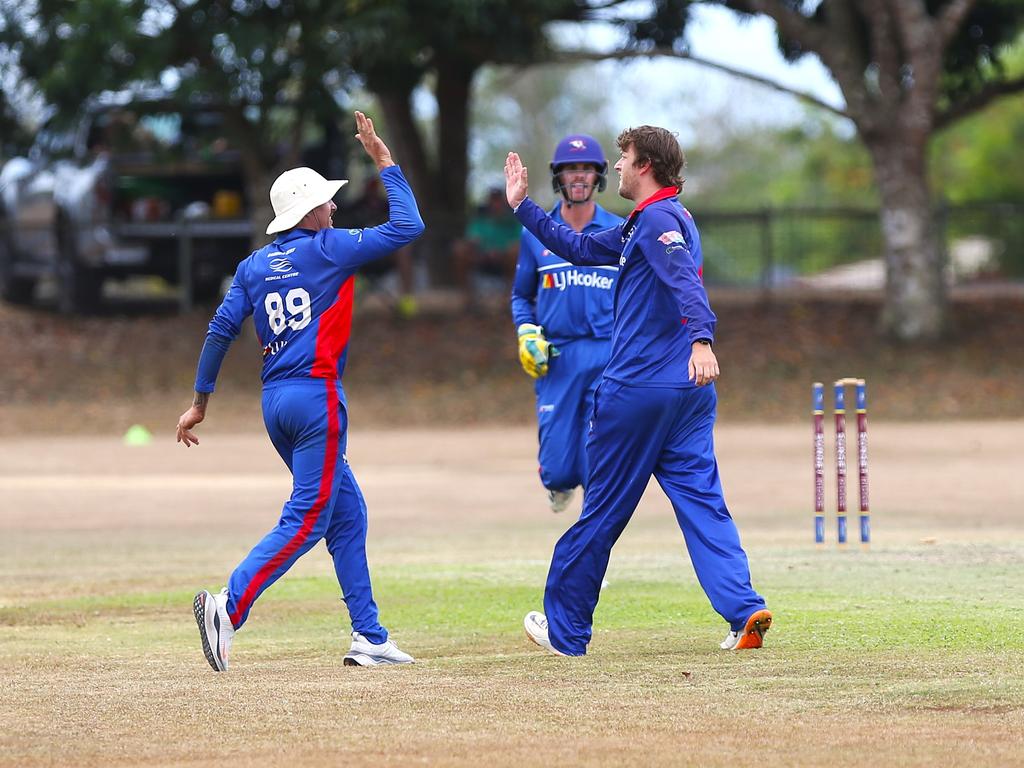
x,y
534,350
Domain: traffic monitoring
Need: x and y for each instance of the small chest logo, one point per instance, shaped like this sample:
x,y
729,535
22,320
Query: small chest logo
x,y
281,265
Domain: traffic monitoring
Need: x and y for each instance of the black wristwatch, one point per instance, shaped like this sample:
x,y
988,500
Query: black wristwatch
x,y
705,342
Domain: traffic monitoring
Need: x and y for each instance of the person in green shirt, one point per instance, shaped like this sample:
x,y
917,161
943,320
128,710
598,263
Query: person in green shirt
x,y
490,246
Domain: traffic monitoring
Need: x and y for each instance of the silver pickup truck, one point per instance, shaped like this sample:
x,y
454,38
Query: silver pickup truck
x,y
140,187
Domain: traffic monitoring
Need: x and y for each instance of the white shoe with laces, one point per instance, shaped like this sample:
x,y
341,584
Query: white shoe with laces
x,y
536,626
215,628
363,653
730,640
559,500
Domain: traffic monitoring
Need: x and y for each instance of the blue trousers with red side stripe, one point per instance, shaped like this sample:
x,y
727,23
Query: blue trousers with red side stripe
x,y
565,398
308,425
637,432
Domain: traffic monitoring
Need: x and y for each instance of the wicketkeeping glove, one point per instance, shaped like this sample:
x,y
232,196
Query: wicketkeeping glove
x,y
534,350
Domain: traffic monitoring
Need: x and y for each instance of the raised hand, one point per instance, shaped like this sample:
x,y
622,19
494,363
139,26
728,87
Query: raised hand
x,y
516,180
372,143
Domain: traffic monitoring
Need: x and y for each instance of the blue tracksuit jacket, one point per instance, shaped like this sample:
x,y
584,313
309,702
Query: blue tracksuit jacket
x,y
648,417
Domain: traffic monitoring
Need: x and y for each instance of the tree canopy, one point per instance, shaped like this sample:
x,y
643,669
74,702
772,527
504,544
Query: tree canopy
x,y
906,68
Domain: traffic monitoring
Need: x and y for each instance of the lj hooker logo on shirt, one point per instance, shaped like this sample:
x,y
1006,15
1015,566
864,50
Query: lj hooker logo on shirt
x,y
562,280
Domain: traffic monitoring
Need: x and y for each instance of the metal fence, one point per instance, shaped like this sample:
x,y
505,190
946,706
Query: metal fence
x,y
766,249
824,247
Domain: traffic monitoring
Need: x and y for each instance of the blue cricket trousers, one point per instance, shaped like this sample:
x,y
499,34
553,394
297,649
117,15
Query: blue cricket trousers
x,y
565,398
637,432
308,425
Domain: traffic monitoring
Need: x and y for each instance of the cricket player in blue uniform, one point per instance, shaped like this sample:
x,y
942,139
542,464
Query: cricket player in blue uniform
x,y
299,290
563,316
654,409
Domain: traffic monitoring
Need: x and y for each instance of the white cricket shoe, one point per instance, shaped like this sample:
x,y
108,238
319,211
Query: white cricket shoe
x,y
559,500
536,626
215,628
363,653
730,640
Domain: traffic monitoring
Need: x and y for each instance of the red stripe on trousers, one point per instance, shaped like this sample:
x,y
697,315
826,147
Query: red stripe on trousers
x,y
333,333
310,518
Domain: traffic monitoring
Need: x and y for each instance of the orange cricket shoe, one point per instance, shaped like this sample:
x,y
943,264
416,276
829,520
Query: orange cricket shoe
x,y
752,635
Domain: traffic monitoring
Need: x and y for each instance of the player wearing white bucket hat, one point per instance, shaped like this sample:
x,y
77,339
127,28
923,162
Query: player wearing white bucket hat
x,y
299,291
297,192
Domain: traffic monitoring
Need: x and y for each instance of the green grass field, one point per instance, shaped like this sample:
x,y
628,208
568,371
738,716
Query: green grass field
x,y
908,654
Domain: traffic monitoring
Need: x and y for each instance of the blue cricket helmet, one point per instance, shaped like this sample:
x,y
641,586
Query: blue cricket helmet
x,y
579,148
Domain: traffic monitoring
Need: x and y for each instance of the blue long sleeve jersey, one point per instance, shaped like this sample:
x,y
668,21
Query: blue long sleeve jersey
x,y
661,306
299,291
570,302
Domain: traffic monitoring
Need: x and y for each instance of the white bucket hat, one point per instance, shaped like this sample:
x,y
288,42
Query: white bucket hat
x,y
297,192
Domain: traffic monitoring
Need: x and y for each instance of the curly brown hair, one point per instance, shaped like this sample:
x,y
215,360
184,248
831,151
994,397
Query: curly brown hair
x,y
660,148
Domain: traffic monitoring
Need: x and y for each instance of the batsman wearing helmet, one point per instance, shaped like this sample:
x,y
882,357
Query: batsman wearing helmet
x,y
563,316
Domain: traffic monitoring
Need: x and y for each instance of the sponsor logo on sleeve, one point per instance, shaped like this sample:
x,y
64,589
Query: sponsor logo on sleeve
x,y
673,241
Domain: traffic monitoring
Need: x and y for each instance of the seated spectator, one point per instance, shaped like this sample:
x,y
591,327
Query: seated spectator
x,y
490,246
369,210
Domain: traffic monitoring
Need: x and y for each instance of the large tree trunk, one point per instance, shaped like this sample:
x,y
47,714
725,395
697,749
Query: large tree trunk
x,y
403,138
454,80
261,212
257,177
410,153
915,306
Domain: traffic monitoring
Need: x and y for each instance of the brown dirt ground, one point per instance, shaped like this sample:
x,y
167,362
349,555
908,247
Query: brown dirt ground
x,y
443,446
88,516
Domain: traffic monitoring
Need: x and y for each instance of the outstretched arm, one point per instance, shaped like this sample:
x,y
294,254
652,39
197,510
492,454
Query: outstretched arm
x,y
593,249
354,247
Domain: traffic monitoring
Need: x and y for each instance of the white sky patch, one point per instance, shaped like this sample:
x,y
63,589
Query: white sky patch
x,y
663,91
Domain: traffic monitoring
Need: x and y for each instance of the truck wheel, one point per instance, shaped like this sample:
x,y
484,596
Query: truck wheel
x,y
79,286
206,291
13,288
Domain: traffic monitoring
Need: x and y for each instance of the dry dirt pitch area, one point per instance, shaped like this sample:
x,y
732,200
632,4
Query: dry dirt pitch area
x,y
906,655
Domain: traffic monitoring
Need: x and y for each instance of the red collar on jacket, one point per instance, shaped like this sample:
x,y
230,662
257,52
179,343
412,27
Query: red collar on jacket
x,y
662,194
